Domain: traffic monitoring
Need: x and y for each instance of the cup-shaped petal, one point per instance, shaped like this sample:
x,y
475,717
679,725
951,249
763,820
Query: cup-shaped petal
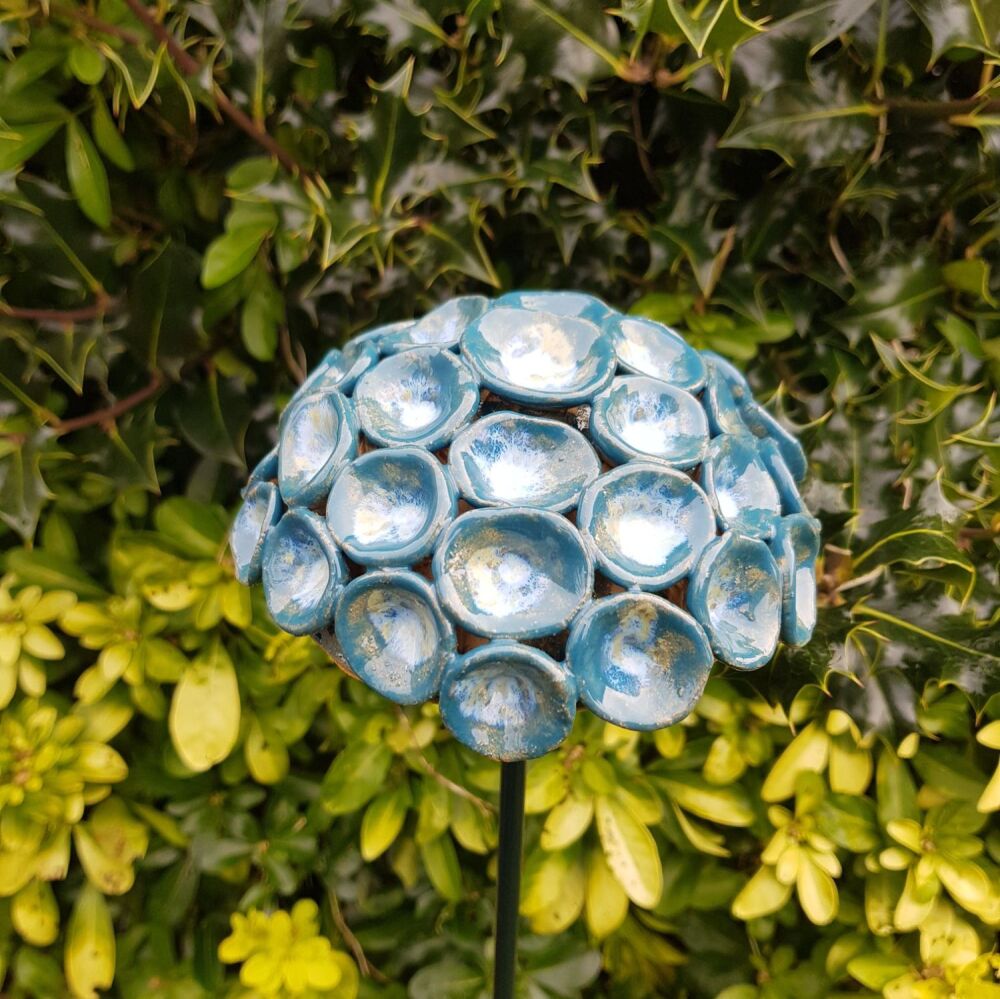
x,y
387,507
260,511
721,405
645,347
508,701
575,304
640,662
317,434
740,487
441,327
421,396
513,573
646,524
735,595
508,459
341,368
763,424
796,547
266,470
303,572
642,417
788,490
393,635
539,358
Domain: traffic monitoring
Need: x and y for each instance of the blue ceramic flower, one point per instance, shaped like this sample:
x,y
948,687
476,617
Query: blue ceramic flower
x,y
387,507
509,459
641,417
421,396
437,555
393,635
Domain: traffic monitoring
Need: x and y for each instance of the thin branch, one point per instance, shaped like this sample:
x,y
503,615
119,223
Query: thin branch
x,y
83,313
101,27
361,959
481,803
110,413
190,66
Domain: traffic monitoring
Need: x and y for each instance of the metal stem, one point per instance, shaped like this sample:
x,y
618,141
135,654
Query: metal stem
x,y
508,878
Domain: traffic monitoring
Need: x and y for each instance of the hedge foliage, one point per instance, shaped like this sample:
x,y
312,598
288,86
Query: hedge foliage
x,y
198,200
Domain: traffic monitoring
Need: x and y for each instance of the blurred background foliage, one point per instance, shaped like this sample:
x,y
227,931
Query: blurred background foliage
x,y
197,200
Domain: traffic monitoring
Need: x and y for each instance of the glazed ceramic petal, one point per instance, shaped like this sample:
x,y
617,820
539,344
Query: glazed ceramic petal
x,y
642,417
574,304
646,524
645,347
763,424
260,511
538,357
317,435
515,573
788,491
721,406
796,548
266,470
740,487
640,662
735,594
441,327
340,369
387,507
393,635
507,459
303,572
508,701
739,387
421,396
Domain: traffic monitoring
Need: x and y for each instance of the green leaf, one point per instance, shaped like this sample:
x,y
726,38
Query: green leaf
x,y
231,253
973,24
205,710
383,821
109,140
86,64
443,870
198,529
19,145
355,777
90,944
87,177
263,312
36,567
630,851
728,806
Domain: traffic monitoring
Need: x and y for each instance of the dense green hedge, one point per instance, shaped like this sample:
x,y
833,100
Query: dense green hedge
x,y
197,200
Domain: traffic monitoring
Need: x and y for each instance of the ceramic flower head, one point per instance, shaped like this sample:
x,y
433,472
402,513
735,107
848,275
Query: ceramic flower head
x,y
516,505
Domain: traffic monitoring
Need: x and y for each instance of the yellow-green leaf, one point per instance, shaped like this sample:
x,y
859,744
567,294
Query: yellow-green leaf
x,y
205,710
383,821
606,902
35,914
90,945
630,851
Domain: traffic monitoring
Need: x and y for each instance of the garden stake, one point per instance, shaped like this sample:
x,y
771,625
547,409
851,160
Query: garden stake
x,y
508,878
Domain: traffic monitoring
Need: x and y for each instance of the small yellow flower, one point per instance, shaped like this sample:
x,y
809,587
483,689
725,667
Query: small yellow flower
x,y
283,955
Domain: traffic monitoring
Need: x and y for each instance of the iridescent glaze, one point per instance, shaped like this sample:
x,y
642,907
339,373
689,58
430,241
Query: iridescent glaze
x,y
640,662
260,511
512,573
788,491
508,701
574,304
796,548
645,347
441,327
421,396
642,417
340,369
303,572
538,357
317,434
507,459
393,635
763,424
739,387
740,487
387,507
735,595
645,524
